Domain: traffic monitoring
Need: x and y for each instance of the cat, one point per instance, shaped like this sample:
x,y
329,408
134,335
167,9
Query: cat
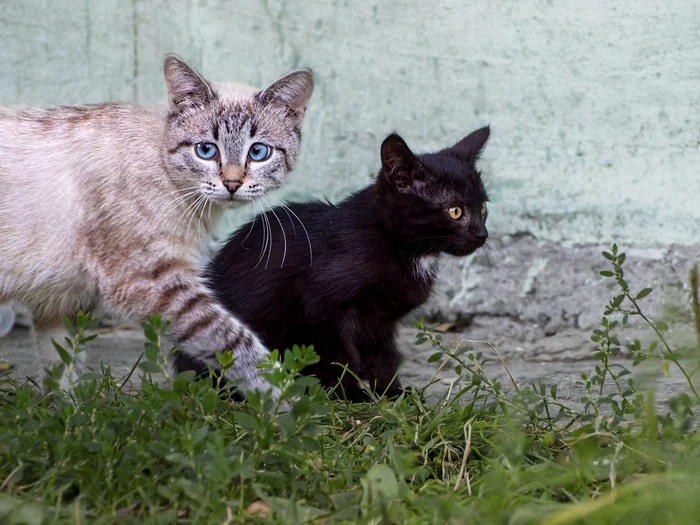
x,y
106,207
341,277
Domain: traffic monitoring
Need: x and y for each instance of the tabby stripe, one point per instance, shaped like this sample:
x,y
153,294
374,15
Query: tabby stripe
x,y
183,144
190,303
197,326
231,344
166,266
247,340
167,295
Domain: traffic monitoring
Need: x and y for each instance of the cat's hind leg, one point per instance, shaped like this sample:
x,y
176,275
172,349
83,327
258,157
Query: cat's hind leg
x,y
382,369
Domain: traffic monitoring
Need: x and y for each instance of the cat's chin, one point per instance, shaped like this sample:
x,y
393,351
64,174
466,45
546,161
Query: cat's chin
x,y
231,202
462,251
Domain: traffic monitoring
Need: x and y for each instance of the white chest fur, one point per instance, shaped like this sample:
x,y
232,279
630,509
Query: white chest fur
x,y
426,267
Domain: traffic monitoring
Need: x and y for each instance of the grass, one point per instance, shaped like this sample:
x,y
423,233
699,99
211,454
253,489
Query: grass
x,y
182,451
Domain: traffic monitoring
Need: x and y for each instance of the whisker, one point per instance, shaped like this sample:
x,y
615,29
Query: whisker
x,y
269,229
492,252
202,238
264,234
172,204
195,210
180,190
164,211
308,239
291,222
252,225
183,216
284,235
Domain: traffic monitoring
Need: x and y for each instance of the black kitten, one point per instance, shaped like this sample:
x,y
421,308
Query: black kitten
x,y
367,262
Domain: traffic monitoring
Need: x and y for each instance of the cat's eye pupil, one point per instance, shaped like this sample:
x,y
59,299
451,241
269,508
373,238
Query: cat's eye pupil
x,y
259,151
455,212
206,150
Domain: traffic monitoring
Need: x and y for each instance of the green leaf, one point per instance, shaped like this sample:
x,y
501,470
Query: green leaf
x,y
149,367
165,492
287,423
644,293
225,358
199,435
30,513
435,357
149,332
306,381
69,325
177,457
208,401
379,486
661,326
608,256
62,353
92,446
607,273
302,407
155,320
81,318
248,422
403,460
151,352
91,324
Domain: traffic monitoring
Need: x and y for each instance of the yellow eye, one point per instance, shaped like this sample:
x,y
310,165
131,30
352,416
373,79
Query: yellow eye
x,y
455,212
483,209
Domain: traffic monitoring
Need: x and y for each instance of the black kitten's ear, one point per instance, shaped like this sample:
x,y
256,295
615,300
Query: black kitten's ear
x,y
293,91
471,146
185,86
398,162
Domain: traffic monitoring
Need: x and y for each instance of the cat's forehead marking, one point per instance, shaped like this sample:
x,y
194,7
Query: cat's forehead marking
x,y
232,94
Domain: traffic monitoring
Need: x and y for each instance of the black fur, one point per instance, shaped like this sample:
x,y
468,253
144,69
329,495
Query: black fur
x,y
347,298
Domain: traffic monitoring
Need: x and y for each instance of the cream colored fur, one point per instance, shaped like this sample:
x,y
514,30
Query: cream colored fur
x,y
98,211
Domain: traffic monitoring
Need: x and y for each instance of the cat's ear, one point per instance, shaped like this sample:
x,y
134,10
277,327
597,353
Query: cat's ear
x,y
398,162
186,87
293,91
471,146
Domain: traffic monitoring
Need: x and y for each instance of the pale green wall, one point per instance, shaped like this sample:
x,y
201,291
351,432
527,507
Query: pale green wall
x,y
594,106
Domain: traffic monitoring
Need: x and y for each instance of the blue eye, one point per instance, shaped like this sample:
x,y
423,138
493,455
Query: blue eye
x,y
259,152
206,150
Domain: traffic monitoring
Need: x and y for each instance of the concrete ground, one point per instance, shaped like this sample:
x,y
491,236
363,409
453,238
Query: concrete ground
x,y
558,359
535,302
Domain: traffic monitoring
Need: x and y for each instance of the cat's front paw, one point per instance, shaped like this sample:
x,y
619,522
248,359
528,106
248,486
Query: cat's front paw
x,y
248,358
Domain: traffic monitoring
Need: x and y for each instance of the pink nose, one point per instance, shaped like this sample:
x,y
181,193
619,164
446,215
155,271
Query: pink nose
x,y
232,185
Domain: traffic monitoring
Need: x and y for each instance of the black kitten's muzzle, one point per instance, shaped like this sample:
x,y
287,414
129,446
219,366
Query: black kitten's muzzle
x,y
465,249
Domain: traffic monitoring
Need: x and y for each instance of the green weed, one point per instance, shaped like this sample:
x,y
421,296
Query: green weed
x,y
157,448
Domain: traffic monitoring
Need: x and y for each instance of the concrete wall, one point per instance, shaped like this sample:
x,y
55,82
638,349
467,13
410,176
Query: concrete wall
x,y
594,106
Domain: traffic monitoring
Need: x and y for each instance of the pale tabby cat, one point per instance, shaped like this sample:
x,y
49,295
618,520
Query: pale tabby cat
x,y
105,207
